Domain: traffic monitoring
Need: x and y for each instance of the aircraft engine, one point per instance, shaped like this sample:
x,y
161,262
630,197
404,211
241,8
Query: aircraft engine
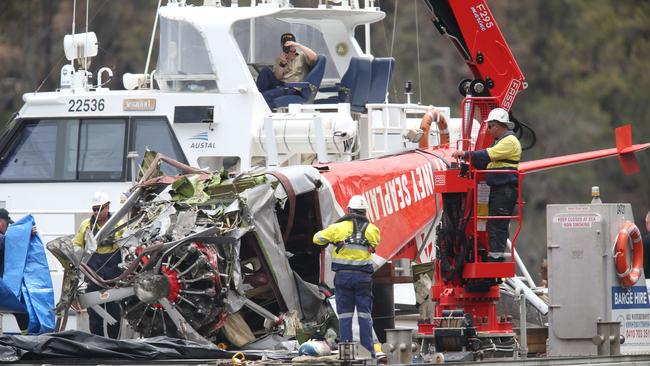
x,y
190,279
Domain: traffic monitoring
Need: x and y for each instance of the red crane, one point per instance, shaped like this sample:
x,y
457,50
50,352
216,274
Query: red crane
x,y
466,284
408,191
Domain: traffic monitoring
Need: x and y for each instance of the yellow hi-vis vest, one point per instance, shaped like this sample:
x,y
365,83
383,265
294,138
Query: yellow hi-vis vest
x,y
349,256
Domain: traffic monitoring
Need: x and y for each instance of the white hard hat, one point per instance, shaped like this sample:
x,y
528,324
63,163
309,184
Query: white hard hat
x,y
500,115
100,199
358,203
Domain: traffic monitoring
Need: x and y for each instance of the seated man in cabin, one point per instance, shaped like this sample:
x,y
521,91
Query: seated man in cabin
x,y
5,220
105,261
291,66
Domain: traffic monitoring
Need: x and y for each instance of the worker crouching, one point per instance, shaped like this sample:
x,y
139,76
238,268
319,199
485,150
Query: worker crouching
x,y
355,239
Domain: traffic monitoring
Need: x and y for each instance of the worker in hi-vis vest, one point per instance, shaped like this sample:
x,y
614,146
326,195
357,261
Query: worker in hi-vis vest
x,y
104,261
355,239
504,154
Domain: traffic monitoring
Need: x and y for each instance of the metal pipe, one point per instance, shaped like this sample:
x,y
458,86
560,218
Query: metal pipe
x,y
74,15
523,330
86,43
367,32
251,41
132,156
115,218
538,303
153,35
260,310
520,265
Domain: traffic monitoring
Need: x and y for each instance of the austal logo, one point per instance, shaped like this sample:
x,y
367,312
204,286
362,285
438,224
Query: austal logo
x,y
204,144
203,136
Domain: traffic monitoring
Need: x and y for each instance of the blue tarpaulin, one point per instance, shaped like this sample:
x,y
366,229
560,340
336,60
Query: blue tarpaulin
x,y
26,285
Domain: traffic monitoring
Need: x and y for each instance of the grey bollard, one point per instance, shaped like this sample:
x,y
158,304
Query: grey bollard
x,y
347,351
608,338
399,346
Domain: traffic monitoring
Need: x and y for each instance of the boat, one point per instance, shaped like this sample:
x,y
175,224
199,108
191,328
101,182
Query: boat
x,y
201,108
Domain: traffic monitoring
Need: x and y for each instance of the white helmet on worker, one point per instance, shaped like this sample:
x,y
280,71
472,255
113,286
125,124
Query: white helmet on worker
x,y
358,203
500,115
100,199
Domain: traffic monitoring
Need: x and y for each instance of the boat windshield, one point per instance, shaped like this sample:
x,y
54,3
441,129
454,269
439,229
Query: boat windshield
x,y
184,62
70,149
266,47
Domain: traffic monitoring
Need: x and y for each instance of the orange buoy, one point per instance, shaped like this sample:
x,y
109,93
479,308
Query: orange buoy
x,y
425,125
628,275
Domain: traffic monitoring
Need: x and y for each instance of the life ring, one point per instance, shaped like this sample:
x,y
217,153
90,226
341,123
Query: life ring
x,y
425,125
628,275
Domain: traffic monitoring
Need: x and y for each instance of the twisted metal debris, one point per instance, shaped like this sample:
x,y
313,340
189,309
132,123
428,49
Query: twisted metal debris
x,y
204,259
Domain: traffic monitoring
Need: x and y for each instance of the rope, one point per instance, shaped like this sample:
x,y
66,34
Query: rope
x,y
417,47
392,41
383,28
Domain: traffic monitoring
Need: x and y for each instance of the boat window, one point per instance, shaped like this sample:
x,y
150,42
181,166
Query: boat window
x,y
183,60
182,49
155,134
267,41
87,150
41,150
101,149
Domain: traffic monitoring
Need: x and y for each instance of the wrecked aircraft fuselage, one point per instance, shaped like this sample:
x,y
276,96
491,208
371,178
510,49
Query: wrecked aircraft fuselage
x,y
204,259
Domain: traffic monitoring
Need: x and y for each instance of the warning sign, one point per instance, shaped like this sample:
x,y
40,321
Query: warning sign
x,y
576,221
483,198
584,208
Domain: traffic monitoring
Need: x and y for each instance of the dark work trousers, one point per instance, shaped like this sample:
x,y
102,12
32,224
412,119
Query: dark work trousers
x,y
354,289
267,81
502,203
106,266
270,87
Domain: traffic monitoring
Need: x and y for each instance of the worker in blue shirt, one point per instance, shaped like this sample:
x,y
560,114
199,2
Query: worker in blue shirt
x,y
355,239
504,154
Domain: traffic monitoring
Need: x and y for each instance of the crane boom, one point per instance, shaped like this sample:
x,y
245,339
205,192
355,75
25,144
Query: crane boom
x,y
475,34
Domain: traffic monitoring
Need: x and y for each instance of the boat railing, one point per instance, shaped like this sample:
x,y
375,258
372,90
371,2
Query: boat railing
x,y
386,119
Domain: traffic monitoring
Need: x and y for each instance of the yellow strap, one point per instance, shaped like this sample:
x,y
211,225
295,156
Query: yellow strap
x,y
238,358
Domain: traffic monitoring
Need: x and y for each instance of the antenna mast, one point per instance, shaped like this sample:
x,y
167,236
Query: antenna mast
x,y
153,35
85,57
74,15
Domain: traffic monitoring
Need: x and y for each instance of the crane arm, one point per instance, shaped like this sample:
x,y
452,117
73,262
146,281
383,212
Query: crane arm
x,y
472,29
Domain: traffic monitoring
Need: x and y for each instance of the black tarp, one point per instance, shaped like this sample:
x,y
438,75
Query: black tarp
x,y
80,345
